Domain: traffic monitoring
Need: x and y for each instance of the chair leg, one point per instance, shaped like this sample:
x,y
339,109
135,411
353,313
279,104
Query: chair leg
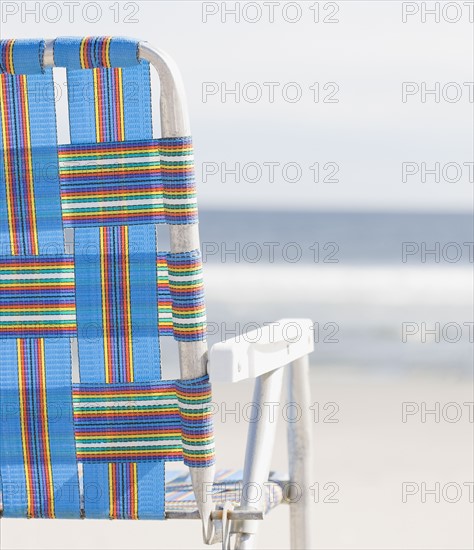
x,y
300,456
245,541
260,443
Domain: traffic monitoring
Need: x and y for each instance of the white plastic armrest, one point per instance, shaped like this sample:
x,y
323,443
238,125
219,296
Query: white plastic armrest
x,y
260,351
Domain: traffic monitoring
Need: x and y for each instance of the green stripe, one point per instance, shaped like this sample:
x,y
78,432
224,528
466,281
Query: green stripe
x,y
125,408
97,155
177,207
72,170
129,450
107,399
150,437
107,196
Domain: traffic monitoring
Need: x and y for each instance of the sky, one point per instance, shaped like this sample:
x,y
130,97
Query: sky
x,y
318,120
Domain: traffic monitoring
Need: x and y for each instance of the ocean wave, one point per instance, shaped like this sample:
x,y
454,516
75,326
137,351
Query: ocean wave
x,y
380,285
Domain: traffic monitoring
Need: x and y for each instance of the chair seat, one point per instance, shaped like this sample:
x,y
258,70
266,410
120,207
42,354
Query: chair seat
x,y
228,487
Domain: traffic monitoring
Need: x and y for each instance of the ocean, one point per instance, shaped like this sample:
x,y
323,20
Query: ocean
x,y
386,291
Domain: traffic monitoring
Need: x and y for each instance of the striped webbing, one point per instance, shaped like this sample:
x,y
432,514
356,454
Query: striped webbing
x,y
165,314
128,182
142,422
109,190
93,52
116,304
187,295
37,296
116,344
179,185
18,165
111,184
6,56
37,453
228,487
35,427
21,56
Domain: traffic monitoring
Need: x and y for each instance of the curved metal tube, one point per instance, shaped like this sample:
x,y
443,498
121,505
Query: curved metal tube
x,y
174,123
173,110
48,54
184,238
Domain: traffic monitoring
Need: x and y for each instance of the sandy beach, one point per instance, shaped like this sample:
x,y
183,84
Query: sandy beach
x,y
360,465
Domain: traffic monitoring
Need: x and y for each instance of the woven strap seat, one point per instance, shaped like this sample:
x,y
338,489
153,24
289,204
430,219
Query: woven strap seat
x,y
91,441
228,487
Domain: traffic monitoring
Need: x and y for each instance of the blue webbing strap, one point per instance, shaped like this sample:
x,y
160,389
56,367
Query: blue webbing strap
x,y
21,56
124,257
37,449
95,52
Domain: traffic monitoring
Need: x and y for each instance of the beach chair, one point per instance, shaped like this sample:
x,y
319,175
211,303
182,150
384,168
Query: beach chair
x,y
87,423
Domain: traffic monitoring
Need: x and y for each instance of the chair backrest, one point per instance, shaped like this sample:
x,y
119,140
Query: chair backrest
x,y
95,447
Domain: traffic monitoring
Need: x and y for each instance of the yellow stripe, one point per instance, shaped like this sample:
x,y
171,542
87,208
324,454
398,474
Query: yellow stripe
x,y
111,492
127,304
121,107
134,511
23,424
104,309
107,50
43,400
11,67
95,72
29,170
81,53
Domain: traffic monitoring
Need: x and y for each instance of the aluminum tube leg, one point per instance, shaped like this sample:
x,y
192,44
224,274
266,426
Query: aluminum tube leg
x,y
260,443
300,456
245,541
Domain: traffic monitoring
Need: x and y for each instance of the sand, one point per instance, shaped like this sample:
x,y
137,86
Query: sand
x,y
361,462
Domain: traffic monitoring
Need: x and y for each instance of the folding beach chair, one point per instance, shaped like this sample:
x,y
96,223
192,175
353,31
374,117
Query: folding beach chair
x,y
87,423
